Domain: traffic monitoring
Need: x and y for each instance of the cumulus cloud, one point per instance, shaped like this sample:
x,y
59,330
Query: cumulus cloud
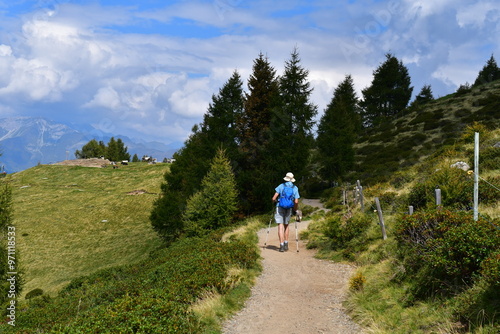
x,y
152,70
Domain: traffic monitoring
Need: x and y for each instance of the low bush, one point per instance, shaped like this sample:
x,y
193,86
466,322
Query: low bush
x,y
456,189
444,250
348,234
490,269
153,296
489,158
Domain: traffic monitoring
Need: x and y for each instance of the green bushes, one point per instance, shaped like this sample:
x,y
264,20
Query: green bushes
x,y
445,249
153,296
456,189
490,269
347,235
489,158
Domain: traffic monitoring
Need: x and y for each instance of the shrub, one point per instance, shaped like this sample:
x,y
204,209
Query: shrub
x,y
456,189
357,282
154,296
490,269
34,293
341,233
489,158
444,249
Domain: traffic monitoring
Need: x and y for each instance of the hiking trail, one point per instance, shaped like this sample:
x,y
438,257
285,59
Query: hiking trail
x,y
296,293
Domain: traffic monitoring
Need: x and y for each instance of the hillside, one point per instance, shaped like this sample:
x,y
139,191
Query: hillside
x,y
424,131
73,220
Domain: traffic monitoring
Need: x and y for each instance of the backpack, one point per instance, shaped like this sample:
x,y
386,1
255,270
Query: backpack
x,y
286,197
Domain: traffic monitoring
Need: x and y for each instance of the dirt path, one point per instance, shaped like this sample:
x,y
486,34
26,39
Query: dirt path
x,y
296,293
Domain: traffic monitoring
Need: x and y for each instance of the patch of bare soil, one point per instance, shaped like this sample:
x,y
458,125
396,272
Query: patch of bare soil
x,y
93,162
296,293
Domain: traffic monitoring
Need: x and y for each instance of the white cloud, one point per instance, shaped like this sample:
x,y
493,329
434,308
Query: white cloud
x,y
105,97
111,65
477,13
5,50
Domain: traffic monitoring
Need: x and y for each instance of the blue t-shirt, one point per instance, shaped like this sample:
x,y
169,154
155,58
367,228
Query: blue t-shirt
x,y
279,189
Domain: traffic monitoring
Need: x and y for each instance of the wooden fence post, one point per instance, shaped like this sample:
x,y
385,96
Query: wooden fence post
x,y
360,191
380,217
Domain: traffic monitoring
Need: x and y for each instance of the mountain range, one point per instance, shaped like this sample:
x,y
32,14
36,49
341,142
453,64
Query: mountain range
x,y
28,141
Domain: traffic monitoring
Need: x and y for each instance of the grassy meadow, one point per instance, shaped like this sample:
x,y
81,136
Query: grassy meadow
x,y
73,221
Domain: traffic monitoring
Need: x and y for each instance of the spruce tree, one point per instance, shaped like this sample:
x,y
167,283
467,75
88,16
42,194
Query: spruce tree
x,y
219,122
423,97
490,72
254,135
292,122
337,132
215,204
116,150
389,93
192,162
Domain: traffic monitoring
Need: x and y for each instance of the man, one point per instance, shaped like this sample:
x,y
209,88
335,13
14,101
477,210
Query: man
x,y
288,201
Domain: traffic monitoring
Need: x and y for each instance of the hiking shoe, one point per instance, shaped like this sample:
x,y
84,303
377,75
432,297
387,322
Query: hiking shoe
x,y
282,248
286,246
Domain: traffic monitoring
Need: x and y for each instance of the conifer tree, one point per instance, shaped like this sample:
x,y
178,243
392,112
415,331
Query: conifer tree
x,y
292,121
490,72
215,204
135,158
193,161
337,132
389,93
219,122
254,134
423,97
116,150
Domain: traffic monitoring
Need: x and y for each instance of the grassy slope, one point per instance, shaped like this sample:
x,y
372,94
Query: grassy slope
x,y
72,221
407,140
397,152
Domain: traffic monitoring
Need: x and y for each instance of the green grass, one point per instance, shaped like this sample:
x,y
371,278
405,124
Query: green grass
x,y
404,141
73,221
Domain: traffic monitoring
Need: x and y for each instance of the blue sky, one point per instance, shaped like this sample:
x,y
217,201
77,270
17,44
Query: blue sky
x,y
148,69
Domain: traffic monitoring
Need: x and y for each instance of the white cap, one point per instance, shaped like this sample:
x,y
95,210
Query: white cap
x,y
289,177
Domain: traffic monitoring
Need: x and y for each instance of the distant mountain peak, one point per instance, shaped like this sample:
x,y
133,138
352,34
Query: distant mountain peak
x,y
28,141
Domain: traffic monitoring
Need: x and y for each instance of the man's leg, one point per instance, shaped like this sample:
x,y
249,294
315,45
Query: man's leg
x,y
281,232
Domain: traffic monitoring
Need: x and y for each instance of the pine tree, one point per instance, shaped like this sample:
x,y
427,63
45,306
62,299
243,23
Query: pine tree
x,y
254,134
423,97
215,204
337,132
490,72
135,158
219,122
116,150
292,122
389,92
192,162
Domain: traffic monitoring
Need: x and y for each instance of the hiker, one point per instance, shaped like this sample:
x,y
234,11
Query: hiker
x,y
288,201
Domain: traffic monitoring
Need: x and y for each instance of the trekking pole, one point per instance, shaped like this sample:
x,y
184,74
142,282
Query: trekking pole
x,y
269,228
296,236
